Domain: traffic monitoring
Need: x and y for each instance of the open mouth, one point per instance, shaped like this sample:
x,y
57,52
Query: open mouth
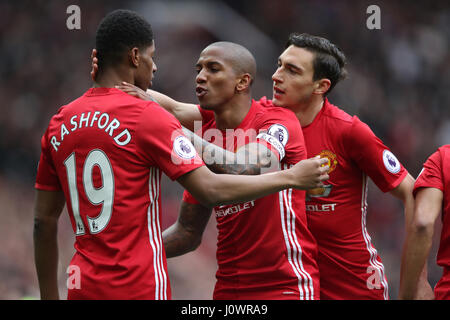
x,y
277,92
200,91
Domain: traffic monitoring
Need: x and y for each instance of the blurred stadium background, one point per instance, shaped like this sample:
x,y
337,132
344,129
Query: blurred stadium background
x,y
398,83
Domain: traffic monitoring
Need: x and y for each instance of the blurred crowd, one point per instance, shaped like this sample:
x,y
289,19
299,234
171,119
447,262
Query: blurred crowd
x,y
398,83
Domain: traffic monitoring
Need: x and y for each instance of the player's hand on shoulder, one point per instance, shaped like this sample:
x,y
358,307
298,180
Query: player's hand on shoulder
x,y
310,173
134,91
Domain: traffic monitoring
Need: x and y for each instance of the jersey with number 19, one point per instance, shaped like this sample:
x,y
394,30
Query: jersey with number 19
x,y
105,151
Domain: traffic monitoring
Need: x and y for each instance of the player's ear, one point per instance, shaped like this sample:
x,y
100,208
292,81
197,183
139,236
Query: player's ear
x,y
244,82
134,56
322,86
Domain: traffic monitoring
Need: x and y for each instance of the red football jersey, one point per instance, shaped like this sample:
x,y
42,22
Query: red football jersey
x,y
350,267
436,174
105,151
264,249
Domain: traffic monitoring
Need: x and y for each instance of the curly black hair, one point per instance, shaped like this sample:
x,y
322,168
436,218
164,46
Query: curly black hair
x,y
329,61
118,32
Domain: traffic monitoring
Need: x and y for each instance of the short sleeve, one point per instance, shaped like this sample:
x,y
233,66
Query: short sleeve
x,y
161,142
431,174
46,178
373,157
280,130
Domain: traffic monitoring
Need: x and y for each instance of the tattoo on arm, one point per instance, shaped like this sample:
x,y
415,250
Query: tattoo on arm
x,y
248,160
186,234
235,167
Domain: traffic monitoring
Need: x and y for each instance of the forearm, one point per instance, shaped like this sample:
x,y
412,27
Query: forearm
x,y
187,113
212,154
418,235
417,248
219,189
164,101
414,232
243,162
419,238
186,234
228,189
46,257
178,241
220,160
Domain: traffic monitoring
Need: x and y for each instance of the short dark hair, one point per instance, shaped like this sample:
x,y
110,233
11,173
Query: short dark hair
x,y
329,61
118,32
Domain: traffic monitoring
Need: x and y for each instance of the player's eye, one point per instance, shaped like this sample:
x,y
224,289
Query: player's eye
x,y
213,67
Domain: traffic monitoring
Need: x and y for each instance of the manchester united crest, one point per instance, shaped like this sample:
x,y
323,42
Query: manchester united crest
x,y
331,157
326,189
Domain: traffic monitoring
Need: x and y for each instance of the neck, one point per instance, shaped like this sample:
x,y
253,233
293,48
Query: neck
x,y
307,112
110,77
232,114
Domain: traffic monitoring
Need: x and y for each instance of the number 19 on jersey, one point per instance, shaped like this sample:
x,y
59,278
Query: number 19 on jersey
x,y
103,196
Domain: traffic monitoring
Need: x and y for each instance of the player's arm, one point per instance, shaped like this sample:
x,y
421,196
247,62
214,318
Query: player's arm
x,y
404,192
47,209
186,233
186,113
251,159
419,239
218,189
174,154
